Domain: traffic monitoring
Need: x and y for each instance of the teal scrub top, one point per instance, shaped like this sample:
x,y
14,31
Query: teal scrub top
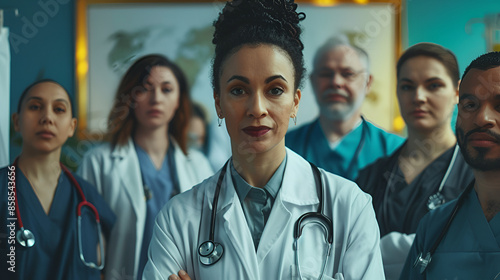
x,y
470,248
360,147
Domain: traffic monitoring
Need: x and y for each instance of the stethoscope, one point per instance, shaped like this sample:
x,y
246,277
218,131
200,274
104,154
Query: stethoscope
x,y
422,261
355,157
210,251
148,193
435,200
27,239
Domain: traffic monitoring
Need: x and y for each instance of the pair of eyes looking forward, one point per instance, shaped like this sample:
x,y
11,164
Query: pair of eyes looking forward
x,y
471,103
432,85
275,86
59,106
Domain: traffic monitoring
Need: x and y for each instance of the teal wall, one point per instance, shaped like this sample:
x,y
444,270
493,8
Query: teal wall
x,y
42,37
443,22
41,45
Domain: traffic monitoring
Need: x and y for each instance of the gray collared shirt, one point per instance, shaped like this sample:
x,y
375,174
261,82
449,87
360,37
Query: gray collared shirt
x,y
257,202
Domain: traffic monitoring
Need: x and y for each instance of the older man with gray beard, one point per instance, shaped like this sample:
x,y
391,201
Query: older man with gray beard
x,y
340,140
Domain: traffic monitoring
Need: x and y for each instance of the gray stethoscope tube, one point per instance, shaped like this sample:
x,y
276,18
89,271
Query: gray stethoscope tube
x,y
210,251
27,239
422,261
438,199
317,218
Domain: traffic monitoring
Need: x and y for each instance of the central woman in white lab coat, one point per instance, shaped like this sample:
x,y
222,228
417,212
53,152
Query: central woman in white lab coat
x,y
257,71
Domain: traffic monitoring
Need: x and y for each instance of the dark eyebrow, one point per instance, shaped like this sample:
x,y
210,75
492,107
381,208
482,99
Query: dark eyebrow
x,y
272,78
34,97
241,78
62,100
406,80
41,99
433,79
466,96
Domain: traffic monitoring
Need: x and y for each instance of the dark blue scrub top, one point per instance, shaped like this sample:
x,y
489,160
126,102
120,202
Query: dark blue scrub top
x,y
55,254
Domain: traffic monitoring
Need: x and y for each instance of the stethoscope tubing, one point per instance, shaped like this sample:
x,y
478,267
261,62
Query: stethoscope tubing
x,y
210,252
355,157
216,201
422,261
441,184
459,204
83,203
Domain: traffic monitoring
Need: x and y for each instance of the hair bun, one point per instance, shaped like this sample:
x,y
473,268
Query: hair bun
x,y
279,15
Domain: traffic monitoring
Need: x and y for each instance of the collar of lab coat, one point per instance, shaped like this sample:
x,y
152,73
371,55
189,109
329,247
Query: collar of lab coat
x,y
298,187
125,150
297,192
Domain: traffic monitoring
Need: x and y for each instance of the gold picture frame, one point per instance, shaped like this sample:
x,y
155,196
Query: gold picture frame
x,y
82,55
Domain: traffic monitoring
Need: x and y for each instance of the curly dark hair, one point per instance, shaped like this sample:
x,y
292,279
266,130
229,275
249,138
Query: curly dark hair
x,y
255,22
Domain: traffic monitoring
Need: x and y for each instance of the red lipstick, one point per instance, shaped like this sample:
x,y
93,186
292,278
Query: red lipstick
x,y
256,131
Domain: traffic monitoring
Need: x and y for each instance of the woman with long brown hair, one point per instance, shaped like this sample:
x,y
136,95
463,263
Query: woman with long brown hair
x,y
146,161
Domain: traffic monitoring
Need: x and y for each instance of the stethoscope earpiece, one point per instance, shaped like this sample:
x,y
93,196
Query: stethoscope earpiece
x,y
25,238
210,252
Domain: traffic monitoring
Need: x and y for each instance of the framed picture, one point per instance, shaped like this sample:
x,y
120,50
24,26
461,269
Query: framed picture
x,y
111,34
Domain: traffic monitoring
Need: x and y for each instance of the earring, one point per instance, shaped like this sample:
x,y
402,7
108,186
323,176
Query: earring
x,y
294,120
219,120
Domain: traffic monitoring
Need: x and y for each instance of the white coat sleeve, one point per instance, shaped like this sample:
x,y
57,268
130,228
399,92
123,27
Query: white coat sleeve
x,y
89,170
164,256
395,247
362,259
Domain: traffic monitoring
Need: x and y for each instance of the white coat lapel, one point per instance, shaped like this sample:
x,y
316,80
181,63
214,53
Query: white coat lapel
x,y
236,228
278,221
296,194
128,171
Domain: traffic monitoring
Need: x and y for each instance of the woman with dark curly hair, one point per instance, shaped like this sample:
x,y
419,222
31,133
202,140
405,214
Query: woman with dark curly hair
x,y
268,213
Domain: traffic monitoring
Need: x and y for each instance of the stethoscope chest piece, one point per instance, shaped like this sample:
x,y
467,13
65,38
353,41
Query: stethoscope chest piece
x,y
422,262
210,252
435,201
25,238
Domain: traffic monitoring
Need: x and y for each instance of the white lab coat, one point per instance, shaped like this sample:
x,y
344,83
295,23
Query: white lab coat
x,y
184,223
395,247
116,174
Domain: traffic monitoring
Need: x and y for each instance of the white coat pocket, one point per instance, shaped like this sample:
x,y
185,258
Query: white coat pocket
x,y
309,274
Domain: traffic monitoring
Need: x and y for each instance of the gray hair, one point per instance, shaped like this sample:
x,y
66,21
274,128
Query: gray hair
x,y
337,41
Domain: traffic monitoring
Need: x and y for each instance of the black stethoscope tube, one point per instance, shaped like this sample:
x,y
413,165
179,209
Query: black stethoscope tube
x,y
216,201
355,157
460,201
422,261
211,252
